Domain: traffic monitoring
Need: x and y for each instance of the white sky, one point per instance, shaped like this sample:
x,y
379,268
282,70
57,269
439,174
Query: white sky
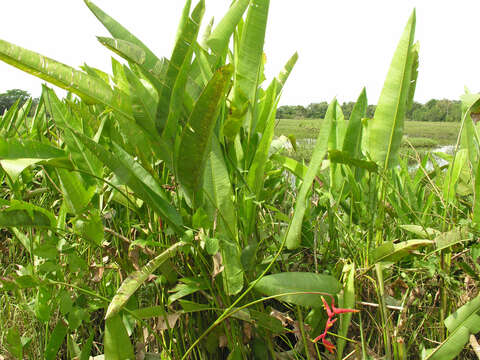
x,y
343,44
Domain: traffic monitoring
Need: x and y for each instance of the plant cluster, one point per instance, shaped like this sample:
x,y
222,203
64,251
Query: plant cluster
x,y
151,214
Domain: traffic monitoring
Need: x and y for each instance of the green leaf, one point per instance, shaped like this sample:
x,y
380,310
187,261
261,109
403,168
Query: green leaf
x,y
218,191
189,286
14,343
248,63
453,174
220,36
294,232
90,227
171,96
150,62
292,165
390,252
89,88
57,338
352,142
299,282
460,324
22,214
420,231
16,154
136,279
125,49
385,131
136,178
346,301
117,345
343,157
76,195
233,271
197,134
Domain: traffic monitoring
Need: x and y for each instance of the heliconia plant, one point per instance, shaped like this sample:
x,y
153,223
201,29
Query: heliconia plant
x,y
152,208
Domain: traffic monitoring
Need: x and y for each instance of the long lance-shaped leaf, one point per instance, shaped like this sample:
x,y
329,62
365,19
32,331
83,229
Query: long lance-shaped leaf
x,y
137,178
137,278
197,134
151,63
16,155
171,96
346,301
413,76
476,204
248,63
353,137
294,233
461,324
220,36
275,86
385,131
89,88
124,49
64,120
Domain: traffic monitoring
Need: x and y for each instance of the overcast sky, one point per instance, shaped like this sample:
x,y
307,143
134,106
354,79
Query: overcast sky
x,y
343,44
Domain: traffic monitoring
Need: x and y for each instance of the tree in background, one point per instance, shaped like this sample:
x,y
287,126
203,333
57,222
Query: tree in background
x,y
433,110
10,97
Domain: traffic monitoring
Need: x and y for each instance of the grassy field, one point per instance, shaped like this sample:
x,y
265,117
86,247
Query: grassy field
x,y
421,135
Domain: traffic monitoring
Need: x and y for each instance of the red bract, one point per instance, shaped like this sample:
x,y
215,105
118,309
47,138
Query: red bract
x,y
331,312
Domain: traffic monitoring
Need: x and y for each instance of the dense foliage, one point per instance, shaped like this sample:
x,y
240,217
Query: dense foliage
x,y
433,111
151,214
10,97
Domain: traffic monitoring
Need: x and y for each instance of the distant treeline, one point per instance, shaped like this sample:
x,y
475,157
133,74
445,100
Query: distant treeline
x,y
433,110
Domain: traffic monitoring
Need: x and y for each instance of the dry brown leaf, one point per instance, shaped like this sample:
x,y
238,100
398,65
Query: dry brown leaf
x,y
217,264
247,332
98,274
172,320
222,341
283,317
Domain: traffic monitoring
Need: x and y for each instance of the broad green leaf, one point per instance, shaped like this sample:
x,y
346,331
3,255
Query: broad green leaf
x,y
220,36
151,63
413,76
393,252
90,227
197,134
347,301
294,232
117,345
136,178
247,66
57,337
352,142
420,231
89,88
281,283
16,154
14,343
450,238
144,105
136,279
77,196
22,214
460,324
218,191
233,272
385,131
292,165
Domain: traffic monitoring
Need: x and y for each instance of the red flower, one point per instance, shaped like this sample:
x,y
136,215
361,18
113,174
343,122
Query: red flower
x,y
331,312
